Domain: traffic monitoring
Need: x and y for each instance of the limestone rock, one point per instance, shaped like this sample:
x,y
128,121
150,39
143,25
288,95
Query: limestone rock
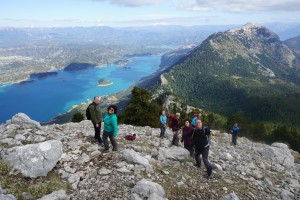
x,y
231,196
56,195
173,153
278,153
131,156
24,121
34,160
147,189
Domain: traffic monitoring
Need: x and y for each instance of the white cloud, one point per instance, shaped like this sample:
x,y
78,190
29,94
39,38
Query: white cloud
x,y
241,5
134,3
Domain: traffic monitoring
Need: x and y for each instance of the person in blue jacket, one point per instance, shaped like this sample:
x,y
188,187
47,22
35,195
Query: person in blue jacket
x,y
110,128
234,132
163,123
194,119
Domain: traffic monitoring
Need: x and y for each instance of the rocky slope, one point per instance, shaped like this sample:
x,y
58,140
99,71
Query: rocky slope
x,y
146,168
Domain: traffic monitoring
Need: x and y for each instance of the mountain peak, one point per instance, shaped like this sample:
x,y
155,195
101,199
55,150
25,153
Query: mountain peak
x,y
250,30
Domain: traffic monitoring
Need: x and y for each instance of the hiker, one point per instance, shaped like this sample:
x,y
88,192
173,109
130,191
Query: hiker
x,y
175,128
195,117
163,123
110,128
188,141
200,137
234,132
96,118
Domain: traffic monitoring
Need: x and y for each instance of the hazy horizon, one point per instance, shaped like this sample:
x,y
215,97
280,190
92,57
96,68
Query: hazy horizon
x,y
137,13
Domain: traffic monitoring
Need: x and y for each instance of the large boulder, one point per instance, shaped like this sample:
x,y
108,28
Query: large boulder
x,y
278,153
173,153
145,189
34,160
24,121
131,156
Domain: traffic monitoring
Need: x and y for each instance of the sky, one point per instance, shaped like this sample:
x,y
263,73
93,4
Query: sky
x,y
128,13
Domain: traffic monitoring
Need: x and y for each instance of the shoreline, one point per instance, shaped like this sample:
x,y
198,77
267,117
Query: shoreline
x,y
103,85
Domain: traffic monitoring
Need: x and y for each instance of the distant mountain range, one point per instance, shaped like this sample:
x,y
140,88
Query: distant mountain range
x,y
244,70
293,43
171,36
157,35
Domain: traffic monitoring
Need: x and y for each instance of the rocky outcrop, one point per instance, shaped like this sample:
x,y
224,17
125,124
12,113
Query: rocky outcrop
x,y
279,154
34,160
24,121
148,167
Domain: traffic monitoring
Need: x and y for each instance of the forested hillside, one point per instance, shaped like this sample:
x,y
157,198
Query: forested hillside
x,y
247,70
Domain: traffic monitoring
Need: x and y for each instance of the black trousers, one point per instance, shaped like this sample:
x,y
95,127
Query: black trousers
x,y
204,152
162,131
97,132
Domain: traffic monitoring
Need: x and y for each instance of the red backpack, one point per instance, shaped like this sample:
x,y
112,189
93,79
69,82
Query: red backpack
x,y
170,120
130,137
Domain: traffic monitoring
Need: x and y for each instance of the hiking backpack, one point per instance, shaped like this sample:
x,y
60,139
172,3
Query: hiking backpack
x,y
88,113
170,120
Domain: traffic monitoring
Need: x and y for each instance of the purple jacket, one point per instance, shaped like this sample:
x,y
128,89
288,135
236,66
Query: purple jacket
x,y
185,131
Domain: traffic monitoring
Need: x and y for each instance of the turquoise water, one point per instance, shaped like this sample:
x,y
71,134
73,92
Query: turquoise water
x,y
43,99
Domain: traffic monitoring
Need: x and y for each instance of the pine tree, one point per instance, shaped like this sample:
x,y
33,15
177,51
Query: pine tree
x,y
141,110
77,117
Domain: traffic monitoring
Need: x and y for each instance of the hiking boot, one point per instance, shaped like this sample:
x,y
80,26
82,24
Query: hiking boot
x,y
198,165
115,149
105,150
210,176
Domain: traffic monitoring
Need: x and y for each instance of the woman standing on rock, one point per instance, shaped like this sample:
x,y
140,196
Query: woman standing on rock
x,y
188,141
110,128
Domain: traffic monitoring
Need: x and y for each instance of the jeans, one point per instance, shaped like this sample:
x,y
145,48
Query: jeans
x,y
97,132
112,140
175,140
162,131
204,152
234,138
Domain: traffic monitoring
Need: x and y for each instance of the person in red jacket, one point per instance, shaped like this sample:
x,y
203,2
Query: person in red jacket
x,y
188,141
175,128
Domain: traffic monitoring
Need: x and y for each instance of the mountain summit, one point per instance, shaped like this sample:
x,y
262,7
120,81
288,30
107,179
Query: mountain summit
x,y
64,162
246,70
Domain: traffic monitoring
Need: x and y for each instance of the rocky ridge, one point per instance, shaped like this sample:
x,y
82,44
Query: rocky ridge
x,y
146,168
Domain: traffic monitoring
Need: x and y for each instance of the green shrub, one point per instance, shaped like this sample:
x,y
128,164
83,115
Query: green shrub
x,y
77,117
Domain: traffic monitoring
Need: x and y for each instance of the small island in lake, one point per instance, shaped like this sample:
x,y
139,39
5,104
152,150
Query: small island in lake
x,y
104,82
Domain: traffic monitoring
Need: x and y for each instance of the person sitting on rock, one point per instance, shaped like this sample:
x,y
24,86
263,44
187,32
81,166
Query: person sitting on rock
x,y
200,137
110,128
188,141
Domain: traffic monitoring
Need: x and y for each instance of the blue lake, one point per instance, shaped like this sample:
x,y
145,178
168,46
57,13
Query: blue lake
x,y
43,99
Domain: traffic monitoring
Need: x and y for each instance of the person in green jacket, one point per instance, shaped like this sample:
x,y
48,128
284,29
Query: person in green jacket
x,y
110,128
96,118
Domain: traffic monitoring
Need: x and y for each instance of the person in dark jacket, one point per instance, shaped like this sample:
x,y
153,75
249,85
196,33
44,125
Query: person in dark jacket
x,y
96,118
110,128
175,128
200,137
188,141
234,132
